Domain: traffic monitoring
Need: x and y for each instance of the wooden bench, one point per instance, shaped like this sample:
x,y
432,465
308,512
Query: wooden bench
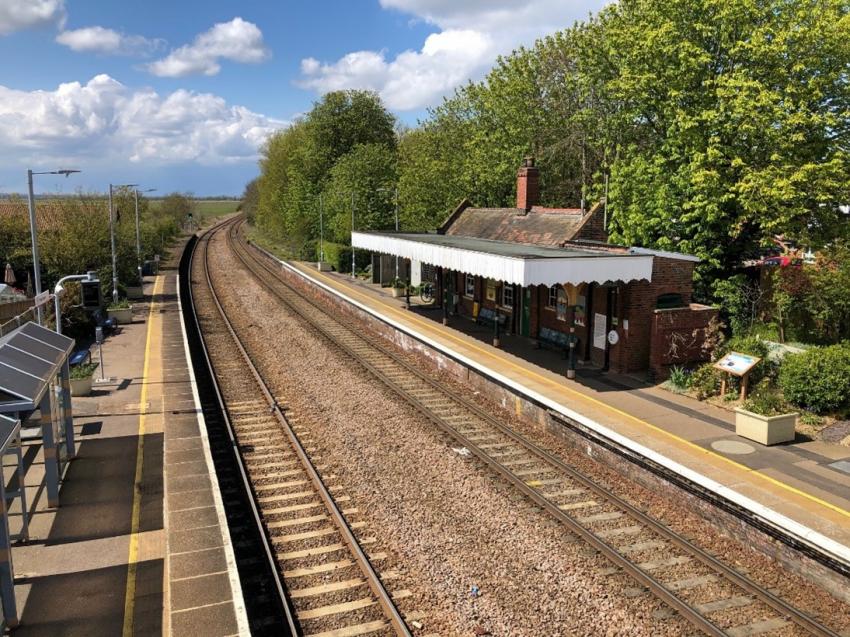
x,y
488,316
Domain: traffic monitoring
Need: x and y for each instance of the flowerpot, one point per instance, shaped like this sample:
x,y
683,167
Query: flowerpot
x,y
397,292
767,430
135,292
123,315
81,386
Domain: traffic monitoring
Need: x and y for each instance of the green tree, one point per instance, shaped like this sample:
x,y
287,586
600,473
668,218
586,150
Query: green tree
x,y
368,174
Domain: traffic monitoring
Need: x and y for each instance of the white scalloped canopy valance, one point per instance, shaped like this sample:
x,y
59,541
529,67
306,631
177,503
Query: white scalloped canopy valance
x,y
543,267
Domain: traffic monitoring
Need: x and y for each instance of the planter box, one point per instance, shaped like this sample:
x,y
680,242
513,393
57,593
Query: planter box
x,y
81,386
135,292
767,430
123,315
323,266
397,292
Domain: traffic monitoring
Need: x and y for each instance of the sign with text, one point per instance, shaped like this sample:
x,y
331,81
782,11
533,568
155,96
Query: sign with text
x,y
737,364
41,298
600,335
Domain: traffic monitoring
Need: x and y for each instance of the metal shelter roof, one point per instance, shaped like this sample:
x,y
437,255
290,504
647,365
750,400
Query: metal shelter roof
x,y
510,262
8,431
29,357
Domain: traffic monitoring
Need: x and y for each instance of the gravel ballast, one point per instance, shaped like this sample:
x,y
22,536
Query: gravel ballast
x,y
450,524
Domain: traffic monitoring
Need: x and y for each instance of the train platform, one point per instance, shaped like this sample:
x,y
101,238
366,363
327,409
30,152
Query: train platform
x,y
139,544
802,488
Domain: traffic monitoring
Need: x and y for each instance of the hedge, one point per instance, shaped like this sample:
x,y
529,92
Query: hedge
x,y
818,379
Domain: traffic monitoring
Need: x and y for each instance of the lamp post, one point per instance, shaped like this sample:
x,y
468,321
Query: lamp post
x,y
138,232
353,269
395,190
59,290
34,228
112,240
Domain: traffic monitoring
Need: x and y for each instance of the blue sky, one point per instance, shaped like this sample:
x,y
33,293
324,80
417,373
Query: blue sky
x,y
180,95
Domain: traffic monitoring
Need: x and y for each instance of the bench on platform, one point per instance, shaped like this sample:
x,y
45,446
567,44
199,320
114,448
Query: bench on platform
x,y
554,339
489,317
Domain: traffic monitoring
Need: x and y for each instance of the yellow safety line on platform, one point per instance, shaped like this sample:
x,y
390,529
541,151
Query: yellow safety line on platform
x,y
130,593
406,316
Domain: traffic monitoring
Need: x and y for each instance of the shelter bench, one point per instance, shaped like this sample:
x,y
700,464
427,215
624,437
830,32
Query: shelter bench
x,y
559,341
489,317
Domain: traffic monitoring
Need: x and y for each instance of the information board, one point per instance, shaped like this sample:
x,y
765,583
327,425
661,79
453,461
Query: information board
x,y
737,364
599,332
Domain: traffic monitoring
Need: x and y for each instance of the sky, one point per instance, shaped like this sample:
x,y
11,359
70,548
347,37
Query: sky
x,y
180,95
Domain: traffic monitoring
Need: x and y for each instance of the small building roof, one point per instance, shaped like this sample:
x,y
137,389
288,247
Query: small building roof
x,y
539,226
511,262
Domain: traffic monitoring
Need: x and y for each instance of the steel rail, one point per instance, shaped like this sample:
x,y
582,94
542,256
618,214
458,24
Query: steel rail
x,y
372,579
691,614
268,553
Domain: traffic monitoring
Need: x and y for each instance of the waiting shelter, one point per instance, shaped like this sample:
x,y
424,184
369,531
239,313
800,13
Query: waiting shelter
x,y
550,274
35,388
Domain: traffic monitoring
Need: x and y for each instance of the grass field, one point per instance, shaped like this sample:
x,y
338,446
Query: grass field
x,y
215,208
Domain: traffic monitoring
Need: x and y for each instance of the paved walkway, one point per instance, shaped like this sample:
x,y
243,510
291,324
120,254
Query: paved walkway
x,y
804,486
138,545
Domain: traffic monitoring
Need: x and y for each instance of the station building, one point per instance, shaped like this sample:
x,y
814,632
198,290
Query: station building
x,y
549,274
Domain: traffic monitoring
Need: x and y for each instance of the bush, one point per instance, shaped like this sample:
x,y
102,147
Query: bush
x,y
705,381
766,401
79,372
818,379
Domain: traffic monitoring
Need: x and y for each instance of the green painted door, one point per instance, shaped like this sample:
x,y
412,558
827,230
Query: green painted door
x,y
525,323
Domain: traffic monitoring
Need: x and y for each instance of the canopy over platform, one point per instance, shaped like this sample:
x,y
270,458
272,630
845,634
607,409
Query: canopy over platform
x,y
514,263
29,358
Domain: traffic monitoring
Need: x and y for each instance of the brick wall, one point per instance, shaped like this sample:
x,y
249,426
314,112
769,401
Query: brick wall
x,y
592,228
677,337
640,298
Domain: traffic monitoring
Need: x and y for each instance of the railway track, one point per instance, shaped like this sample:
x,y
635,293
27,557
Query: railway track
x,y
711,595
329,585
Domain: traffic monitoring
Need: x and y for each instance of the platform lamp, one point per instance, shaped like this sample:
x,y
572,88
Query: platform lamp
x,y
34,228
395,191
59,290
138,232
112,239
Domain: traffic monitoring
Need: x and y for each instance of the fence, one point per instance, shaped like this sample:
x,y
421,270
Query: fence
x,y
16,322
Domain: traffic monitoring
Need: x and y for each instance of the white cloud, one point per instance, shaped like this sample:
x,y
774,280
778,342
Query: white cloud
x,y
103,120
472,34
16,15
101,40
237,40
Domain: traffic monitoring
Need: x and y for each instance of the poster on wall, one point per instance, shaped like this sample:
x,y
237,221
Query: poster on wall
x,y
491,290
599,333
561,306
580,310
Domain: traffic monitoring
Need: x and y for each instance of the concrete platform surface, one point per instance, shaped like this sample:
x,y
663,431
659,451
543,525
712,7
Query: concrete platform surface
x,y
802,487
120,555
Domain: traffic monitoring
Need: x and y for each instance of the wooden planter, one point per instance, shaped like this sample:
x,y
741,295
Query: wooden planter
x,y
81,386
397,292
767,430
123,315
135,292
323,266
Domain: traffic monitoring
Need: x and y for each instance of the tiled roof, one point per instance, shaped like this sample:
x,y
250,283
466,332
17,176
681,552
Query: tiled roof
x,y
538,226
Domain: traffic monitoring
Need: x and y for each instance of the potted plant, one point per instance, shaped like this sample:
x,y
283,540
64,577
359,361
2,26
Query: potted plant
x,y
766,418
81,379
121,311
398,287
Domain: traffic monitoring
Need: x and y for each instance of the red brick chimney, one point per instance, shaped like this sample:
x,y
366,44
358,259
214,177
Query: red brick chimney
x,y
527,185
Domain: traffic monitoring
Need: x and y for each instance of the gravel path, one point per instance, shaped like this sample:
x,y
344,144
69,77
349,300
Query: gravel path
x,y
450,524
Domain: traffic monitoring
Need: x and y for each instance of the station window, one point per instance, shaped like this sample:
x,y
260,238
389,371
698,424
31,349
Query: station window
x,y
507,295
552,299
469,285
